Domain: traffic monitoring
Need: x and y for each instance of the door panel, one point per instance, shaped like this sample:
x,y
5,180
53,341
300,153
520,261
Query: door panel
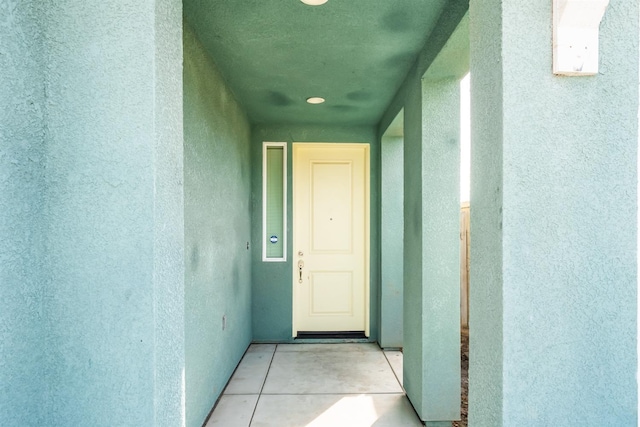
x,y
331,292
330,233
331,207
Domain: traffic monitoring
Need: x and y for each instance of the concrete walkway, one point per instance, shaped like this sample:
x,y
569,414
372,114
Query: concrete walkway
x,y
316,385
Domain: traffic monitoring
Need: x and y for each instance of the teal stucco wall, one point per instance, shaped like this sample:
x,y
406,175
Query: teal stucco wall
x,y
431,250
22,267
91,265
114,298
217,229
392,241
413,373
441,247
272,281
554,223
486,335
430,98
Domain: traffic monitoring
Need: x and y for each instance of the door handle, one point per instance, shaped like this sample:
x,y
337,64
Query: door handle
x,y
300,265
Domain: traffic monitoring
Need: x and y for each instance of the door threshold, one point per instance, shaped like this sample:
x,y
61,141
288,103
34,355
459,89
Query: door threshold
x,y
328,335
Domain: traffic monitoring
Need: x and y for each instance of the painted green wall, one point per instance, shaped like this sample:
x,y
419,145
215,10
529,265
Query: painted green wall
x,y
22,269
392,241
431,249
217,229
486,301
113,304
441,247
455,62
272,281
430,98
413,373
554,222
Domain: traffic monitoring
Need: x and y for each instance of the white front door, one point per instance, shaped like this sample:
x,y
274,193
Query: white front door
x,y
330,237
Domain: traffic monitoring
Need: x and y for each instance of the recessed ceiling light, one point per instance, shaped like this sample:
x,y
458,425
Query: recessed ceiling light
x,y
314,2
315,100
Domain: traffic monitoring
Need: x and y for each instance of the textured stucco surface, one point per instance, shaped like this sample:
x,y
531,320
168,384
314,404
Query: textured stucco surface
x,y
22,271
92,213
453,60
485,290
217,229
448,64
413,373
168,204
441,249
353,54
114,297
272,281
392,238
409,97
431,212
431,249
554,233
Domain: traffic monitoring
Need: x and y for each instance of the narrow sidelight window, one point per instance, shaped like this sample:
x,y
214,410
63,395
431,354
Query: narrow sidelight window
x,y
274,201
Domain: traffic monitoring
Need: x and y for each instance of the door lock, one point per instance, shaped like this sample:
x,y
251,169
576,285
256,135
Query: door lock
x,y
300,265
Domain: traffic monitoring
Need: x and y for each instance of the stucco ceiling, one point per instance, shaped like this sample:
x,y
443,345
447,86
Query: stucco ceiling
x,y
275,54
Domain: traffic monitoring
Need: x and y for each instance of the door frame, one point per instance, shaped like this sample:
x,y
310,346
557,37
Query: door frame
x,y
366,147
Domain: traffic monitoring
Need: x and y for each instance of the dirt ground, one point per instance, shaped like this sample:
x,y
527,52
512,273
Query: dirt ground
x,y
464,364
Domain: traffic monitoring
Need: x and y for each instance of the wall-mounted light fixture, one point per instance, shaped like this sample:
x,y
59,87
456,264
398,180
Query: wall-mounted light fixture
x,y
576,30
